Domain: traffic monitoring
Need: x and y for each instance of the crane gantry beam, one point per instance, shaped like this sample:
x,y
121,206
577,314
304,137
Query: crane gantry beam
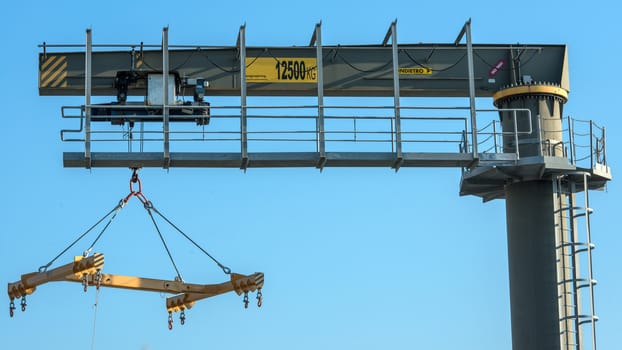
x,y
433,70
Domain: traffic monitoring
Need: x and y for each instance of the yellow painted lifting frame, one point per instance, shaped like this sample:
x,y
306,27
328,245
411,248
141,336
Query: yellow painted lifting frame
x,y
87,270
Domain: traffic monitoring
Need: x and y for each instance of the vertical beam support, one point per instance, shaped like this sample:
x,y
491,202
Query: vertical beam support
x,y
87,97
537,228
592,150
243,121
540,140
494,134
530,212
392,32
466,30
604,144
321,137
517,148
573,150
165,114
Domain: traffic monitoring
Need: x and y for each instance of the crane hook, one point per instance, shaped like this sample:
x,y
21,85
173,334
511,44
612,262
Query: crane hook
x,y
23,303
259,298
11,308
246,300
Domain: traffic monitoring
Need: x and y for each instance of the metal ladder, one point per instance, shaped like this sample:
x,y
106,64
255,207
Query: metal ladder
x,y
573,249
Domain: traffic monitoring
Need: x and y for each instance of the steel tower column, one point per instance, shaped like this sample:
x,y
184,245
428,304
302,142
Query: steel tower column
x,y
532,266
533,226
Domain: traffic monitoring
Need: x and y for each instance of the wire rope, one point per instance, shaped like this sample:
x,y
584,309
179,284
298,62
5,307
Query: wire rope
x,y
224,268
148,207
116,208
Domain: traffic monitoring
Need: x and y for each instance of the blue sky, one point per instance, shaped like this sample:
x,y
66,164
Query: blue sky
x,y
354,258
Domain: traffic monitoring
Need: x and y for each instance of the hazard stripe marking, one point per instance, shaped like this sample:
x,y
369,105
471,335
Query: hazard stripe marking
x,y
53,72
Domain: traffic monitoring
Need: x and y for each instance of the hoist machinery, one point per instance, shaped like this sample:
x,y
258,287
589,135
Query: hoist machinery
x,y
522,149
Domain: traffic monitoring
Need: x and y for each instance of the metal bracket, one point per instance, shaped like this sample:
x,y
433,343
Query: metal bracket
x,y
320,131
466,30
165,103
243,121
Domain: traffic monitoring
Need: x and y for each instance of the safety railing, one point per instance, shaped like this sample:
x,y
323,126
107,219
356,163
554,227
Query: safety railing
x,y
346,128
492,135
587,146
284,128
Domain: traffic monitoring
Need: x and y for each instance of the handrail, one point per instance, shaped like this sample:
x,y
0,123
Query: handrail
x,y
419,126
81,117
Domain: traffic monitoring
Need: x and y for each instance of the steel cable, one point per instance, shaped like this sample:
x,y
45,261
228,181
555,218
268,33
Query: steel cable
x,y
224,268
148,207
116,208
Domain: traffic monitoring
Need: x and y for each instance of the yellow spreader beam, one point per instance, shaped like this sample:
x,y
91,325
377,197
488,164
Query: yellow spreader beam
x,y
87,270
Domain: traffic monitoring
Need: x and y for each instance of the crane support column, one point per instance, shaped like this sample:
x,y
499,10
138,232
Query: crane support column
x,y
532,219
532,265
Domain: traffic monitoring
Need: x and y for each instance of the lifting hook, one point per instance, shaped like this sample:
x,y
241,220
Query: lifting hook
x,y
23,303
259,298
11,308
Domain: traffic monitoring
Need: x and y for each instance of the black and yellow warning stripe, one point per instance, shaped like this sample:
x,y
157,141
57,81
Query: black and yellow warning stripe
x,y
53,72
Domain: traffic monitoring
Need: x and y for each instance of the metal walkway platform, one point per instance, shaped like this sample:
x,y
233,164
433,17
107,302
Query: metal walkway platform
x,y
268,160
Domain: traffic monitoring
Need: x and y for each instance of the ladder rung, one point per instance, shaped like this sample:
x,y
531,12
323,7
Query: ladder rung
x,y
594,282
593,318
579,317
